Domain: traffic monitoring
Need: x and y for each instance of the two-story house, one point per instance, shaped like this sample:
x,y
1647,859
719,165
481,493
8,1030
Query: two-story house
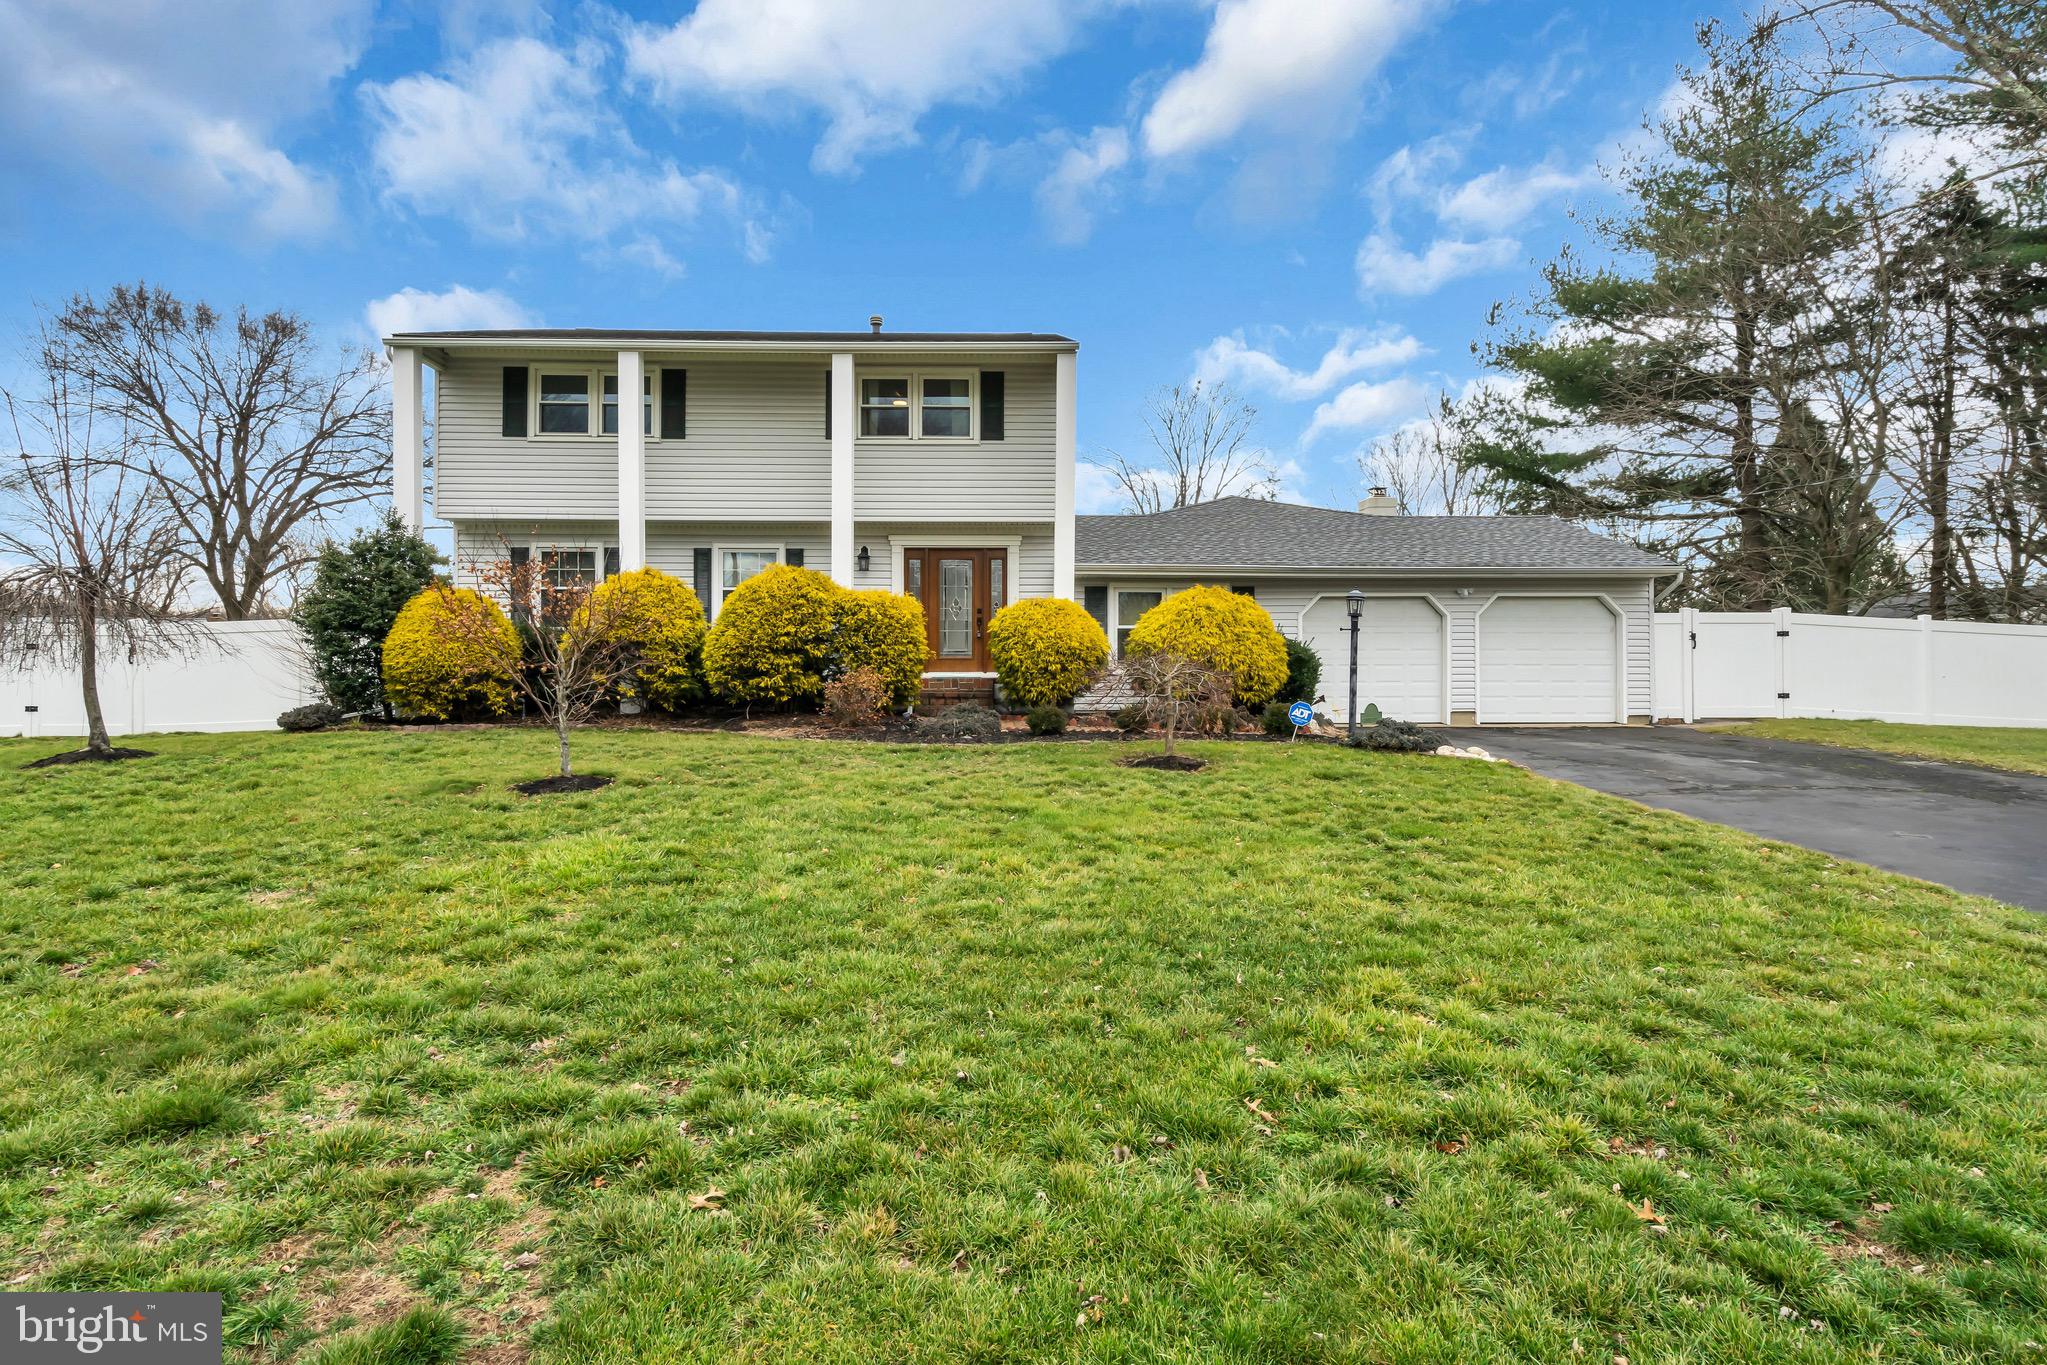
x,y
942,465
936,464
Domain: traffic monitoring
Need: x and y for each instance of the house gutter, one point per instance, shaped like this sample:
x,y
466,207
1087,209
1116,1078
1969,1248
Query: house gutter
x,y
1348,570
669,344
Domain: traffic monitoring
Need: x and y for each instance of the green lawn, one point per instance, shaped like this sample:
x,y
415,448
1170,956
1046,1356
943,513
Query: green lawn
x,y
845,1052
2019,751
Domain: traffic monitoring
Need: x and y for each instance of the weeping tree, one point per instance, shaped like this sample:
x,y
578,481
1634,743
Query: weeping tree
x,y
93,563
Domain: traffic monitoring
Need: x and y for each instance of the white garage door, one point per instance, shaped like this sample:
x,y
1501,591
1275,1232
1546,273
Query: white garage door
x,y
1546,659
1400,656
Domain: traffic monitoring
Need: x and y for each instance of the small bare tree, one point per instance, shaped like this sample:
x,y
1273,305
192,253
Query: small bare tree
x,y
1202,434
1423,464
89,557
1176,692
253,437
575,647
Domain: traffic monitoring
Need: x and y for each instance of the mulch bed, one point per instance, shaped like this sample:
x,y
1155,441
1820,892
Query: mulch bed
x,y
547,786
89,756
1172,763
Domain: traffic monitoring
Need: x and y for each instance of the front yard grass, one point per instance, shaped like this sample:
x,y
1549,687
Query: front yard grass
x,y
2014,750
852,1052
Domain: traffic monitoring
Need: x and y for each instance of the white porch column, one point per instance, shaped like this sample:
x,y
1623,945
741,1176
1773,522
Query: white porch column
x,y
845,412
632,464
408,424
1065,430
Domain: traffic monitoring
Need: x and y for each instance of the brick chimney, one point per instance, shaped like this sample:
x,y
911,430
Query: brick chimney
x,y
1380,504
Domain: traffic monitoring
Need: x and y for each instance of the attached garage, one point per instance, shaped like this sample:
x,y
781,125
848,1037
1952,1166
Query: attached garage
x,y
1548,660
1467,619
1402,656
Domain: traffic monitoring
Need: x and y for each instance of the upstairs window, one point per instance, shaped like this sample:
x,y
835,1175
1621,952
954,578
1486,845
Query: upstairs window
x,y
921,407
885,407
947,407
611,405
564,404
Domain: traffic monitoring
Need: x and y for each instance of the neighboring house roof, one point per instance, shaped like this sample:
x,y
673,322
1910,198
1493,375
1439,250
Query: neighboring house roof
x,y
1257,536
610,336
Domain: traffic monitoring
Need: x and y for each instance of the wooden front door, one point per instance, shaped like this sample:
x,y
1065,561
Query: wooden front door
x,y
960,590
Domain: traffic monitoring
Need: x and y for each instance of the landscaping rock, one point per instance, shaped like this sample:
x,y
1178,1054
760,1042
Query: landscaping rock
x,y
1399,736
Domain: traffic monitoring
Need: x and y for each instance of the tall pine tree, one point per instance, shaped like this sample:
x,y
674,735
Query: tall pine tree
x,y
1655,380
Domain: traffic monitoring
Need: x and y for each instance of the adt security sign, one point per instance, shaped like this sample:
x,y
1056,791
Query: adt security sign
x,y
1300,713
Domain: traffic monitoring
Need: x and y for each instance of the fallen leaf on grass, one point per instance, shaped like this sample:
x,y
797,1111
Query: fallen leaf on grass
x,y
1647,1213
1451,1146
710,1201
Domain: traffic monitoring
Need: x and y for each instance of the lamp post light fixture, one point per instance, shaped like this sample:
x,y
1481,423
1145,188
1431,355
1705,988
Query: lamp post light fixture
x,y
863,559
1354,604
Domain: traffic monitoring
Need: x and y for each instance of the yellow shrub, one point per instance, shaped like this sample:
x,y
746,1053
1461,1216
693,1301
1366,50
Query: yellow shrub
x,y
660,623
883,631
450,654
772,641
1046,650
1225,630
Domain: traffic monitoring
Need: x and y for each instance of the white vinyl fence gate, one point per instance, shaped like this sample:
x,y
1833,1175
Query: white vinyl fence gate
x,y
1743,665
239,676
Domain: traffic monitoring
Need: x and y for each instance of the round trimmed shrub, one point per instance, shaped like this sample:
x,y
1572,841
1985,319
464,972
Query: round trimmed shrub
x,y
319,715
884,632
451,654
1046,650
772,642
1045,720
657,618
1224,630
1303,673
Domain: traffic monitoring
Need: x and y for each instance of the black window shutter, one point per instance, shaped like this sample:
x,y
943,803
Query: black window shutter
x,y
1095,597
700,570
520,554
793,557
611,561
828,405
514,423
674,404
991,405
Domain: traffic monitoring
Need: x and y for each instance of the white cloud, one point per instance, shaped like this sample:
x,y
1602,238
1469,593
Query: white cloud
x,y
1414,172
1229,359
1386,267
1367,406
1276,65
183,104
871,69
1069,197
457,308
1503,198
518,142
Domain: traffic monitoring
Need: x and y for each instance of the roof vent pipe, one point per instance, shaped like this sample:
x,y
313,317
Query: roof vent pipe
x,y
1379,504
874,321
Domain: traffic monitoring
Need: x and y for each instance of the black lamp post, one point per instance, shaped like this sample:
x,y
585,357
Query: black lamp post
x,y
1354,603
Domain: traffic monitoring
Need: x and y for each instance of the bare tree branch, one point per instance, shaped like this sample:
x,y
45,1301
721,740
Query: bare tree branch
x,y
1202,436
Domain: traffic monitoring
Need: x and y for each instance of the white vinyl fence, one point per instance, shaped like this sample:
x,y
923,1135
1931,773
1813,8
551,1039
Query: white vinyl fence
x,y
1713,665
239,676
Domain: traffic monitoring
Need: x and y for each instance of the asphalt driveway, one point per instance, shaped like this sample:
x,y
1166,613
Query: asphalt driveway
x,y
1977,831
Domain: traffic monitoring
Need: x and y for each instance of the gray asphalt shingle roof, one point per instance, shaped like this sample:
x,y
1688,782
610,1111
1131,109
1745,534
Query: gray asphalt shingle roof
x,y
1249,533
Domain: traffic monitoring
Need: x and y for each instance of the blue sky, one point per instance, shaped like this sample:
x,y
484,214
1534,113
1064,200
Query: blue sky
x,y
1315,199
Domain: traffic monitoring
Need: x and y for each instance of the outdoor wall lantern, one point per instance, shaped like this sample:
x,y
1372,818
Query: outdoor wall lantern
x,y
1354,604
863,559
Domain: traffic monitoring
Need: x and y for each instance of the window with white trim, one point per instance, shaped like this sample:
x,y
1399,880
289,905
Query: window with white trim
x,y
567,567
611,405
564,401
571,400
738,565
918,407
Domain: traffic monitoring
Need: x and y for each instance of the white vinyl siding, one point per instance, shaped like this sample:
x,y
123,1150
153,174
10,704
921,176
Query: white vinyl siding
x,y
1287,598
948,479
481,473
756,448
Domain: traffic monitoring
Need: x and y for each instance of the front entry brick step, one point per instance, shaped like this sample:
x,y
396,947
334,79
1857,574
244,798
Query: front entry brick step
x,y
939,693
